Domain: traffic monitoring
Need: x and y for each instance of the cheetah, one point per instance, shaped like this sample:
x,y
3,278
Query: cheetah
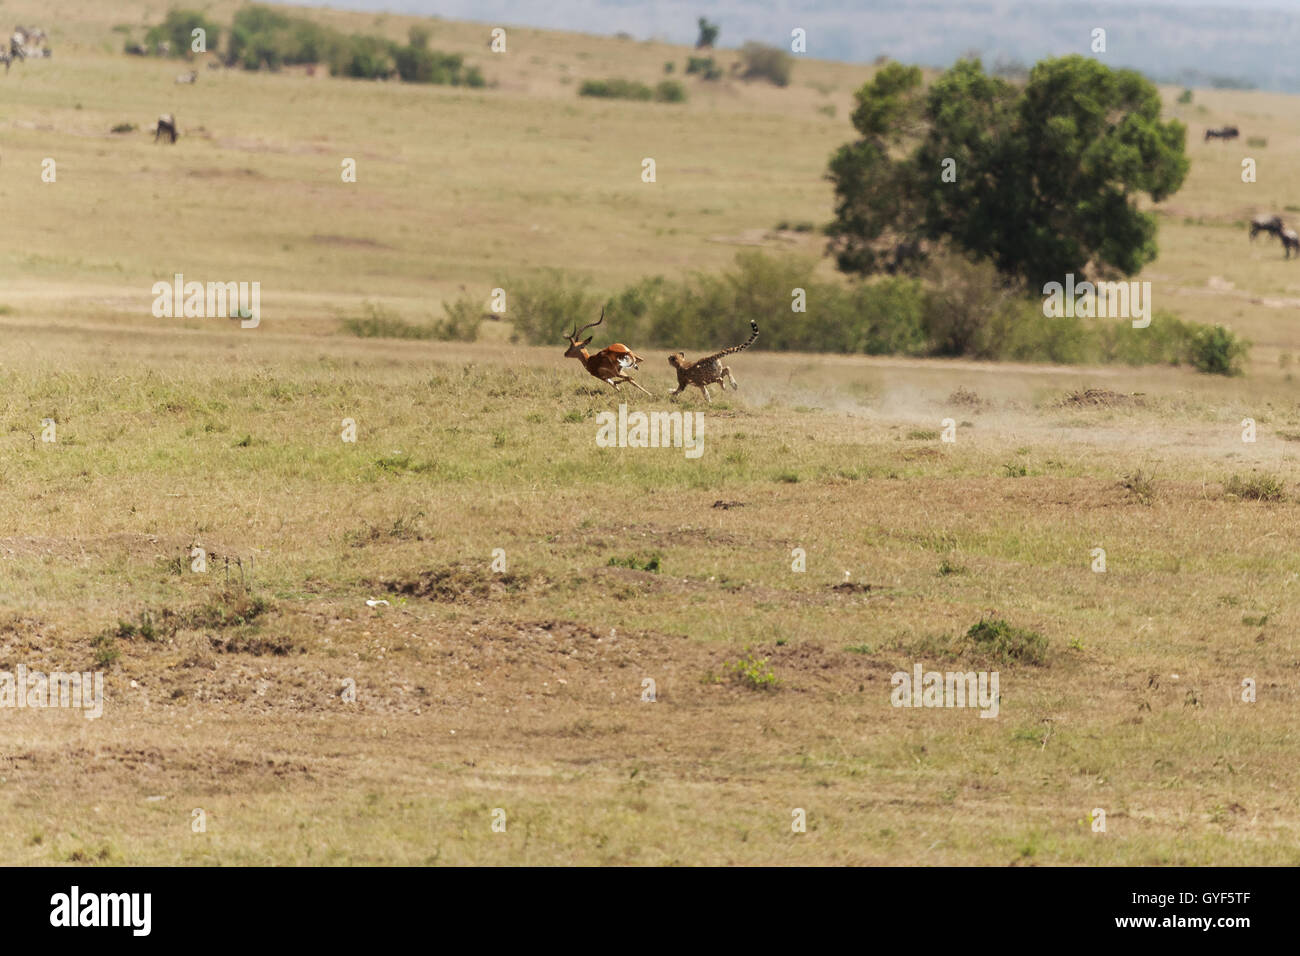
x,y
708,370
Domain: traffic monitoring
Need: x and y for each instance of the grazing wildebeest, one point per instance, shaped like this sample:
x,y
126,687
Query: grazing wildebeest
x,y
1290,243
1227,132
32,36
190,77
166,127
1270,224
135,49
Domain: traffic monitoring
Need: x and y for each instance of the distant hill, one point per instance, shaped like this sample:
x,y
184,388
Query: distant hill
x,y
1249,44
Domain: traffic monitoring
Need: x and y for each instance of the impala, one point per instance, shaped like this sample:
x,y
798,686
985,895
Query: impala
x,y
609,363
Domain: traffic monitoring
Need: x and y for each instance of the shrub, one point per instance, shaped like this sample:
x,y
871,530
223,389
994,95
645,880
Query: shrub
x,y
461,323
762,62
1256,487
704,67
965,305
380,323
1217,351
886,318
262,36
1167,340
415,64
651,564
230,608
106,652
547,305
145,629
670,91
177,30
1141,484
1020,332
1006,644
753,672
367,58
616,89
421,65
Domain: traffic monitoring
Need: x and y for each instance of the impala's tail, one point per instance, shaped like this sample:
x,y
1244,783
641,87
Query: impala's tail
x,y
735,348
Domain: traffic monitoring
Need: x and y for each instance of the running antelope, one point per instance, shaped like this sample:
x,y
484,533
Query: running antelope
x,y
609,363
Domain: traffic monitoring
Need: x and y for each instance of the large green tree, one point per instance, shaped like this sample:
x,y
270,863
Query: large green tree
x,y
1041,179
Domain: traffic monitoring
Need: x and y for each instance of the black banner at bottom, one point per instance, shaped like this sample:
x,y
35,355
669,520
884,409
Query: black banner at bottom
x,y
337,905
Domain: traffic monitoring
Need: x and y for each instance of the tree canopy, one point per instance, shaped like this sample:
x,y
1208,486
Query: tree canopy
x,y
1041,179
708,35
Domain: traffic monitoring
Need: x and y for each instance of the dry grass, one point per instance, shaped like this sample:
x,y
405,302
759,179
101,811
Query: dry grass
x,y
539,671
523,690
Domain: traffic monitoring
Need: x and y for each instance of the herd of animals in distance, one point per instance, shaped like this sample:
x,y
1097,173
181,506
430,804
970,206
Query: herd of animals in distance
x,y
1273,225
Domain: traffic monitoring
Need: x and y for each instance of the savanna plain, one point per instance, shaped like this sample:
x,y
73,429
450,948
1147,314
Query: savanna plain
x,y
476,689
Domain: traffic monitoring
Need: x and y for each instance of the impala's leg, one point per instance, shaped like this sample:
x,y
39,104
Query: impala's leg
x,y
633,384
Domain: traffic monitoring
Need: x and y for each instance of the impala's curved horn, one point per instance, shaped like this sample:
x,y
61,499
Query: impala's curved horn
x,y
592,325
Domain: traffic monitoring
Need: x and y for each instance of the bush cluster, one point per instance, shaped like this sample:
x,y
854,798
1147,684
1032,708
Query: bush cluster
x,y
957,308
460,324
177,31
262,37
667,91
761,62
